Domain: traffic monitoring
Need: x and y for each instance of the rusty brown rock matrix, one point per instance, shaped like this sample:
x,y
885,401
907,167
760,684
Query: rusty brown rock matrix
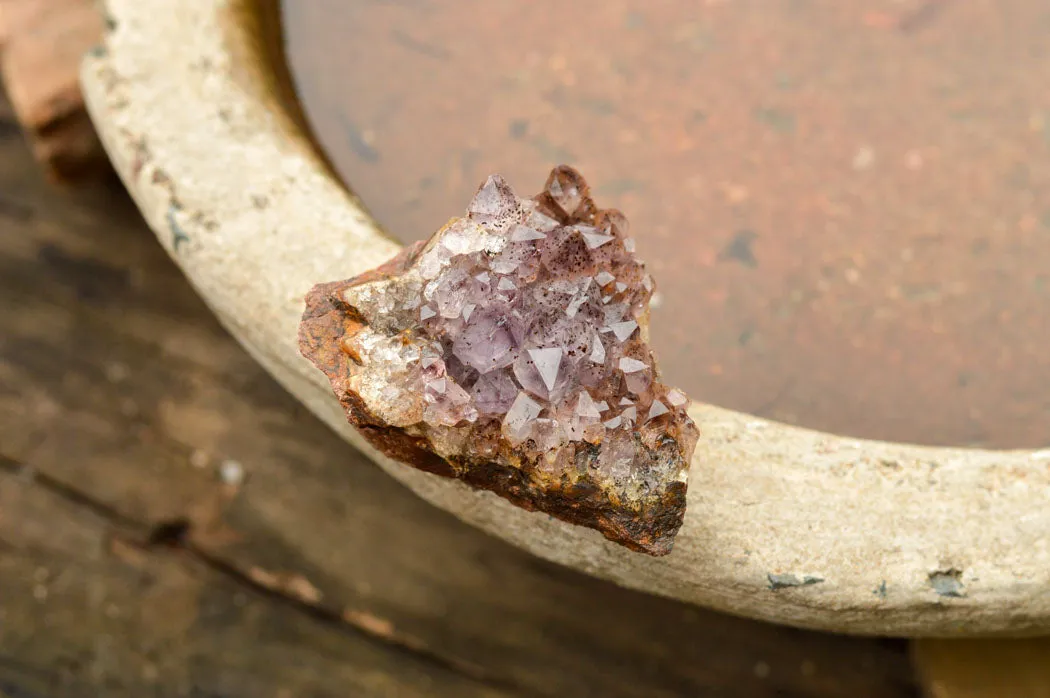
x,y
509,351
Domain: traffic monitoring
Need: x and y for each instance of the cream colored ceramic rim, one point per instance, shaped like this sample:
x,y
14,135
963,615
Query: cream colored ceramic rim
x,y
784,524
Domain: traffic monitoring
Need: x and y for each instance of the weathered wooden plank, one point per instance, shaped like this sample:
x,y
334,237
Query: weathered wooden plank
x,y
90,609
41,42
117,383
984,668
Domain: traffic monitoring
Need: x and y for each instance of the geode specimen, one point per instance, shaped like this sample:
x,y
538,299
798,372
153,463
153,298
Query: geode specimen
x,y
509,351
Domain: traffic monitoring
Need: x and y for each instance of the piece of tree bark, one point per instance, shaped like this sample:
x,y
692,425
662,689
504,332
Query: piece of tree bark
x,y
41,44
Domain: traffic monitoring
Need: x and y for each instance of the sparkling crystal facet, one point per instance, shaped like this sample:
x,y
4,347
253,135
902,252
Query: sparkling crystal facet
x,y
595,240
676,397
586,406
518,422
658,408
629,365
623,330
597,350
547,362
521,233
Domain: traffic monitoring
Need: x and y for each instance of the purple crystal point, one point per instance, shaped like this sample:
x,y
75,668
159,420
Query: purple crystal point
x,y
494,392
494,202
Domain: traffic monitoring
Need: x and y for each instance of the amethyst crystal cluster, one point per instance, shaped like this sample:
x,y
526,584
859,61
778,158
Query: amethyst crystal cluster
x,y
509,351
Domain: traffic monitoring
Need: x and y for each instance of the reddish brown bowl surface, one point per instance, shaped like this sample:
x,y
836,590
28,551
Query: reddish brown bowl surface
x,y
846,205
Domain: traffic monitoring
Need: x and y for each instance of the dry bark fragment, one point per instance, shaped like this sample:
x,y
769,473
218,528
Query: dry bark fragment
x,y
509,351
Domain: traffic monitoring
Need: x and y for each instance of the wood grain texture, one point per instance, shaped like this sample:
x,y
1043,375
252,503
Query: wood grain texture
x,y
783,524
136,560
984,668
